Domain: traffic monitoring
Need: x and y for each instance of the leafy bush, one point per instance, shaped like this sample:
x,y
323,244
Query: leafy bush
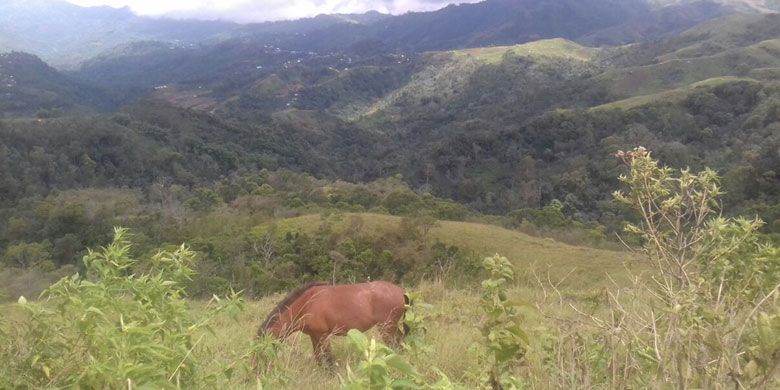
x,y
685,239
401,202
24,255
706,318
381,368
550,217
503,334
112,327
204,200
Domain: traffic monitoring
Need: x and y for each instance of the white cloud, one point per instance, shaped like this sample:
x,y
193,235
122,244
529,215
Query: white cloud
x,y
263,10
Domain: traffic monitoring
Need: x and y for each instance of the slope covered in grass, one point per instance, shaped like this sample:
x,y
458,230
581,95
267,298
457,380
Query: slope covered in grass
x,y
670,72
545,48
459,78
580,268
673,96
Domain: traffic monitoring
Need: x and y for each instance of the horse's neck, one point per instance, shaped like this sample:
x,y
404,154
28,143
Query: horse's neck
x,y
297,308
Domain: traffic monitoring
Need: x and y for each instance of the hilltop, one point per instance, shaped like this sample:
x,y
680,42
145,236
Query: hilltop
x,y
29,86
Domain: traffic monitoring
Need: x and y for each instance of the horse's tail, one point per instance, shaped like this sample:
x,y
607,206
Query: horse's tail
x,y
407,303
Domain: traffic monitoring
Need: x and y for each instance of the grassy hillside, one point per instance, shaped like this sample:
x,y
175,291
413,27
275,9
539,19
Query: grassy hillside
x,y
578,272
671,72
450,80
579,268
451,318
576,308
452,335
545,48
452,314
674,96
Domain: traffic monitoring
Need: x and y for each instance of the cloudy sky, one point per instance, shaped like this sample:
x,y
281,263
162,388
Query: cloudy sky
x,y
263,10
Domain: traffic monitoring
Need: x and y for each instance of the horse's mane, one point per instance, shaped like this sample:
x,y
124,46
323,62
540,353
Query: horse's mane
x,y
285,303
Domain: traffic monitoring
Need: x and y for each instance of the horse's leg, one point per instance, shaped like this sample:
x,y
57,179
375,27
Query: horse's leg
x,y
322,351
391,334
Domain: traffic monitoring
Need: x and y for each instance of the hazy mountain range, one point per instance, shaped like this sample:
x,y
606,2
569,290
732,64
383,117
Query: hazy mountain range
x,y
64,34
497,105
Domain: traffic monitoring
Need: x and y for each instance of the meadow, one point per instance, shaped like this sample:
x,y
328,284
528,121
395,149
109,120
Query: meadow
x,y
451,309
544,269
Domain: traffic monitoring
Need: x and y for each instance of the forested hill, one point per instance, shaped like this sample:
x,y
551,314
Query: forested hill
x,y
29,86
496,128
504,127
516,129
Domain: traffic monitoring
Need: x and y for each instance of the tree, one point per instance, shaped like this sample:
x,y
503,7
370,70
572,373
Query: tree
x,y
25,255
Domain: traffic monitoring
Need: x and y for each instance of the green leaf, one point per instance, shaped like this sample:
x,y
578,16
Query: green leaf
x,y
358,339
404,384
398,363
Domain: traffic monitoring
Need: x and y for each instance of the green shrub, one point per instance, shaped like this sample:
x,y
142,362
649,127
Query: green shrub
x,y
550,217
504,337
452,262
401,202
113,328
684,236
706,317
25,255
204,200
381,368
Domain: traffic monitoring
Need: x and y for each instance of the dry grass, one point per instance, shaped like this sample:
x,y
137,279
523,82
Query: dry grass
x,y
550,276
452,317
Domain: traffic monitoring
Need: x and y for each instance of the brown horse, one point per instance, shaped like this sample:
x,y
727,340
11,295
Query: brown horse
x,y
322,310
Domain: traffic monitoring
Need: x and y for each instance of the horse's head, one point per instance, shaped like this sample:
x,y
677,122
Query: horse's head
x,y
285,318
273,327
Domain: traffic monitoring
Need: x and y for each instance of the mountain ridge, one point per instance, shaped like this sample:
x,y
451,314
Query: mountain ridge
x,y
494,127
76,34
29,86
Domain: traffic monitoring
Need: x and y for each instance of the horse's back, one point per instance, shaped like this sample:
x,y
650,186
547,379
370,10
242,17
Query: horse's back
x,y
388,301
354,306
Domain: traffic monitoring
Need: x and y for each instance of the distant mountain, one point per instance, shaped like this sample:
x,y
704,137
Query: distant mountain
x,y
65,34
491,22
72,34
760,6
497,22
340,41
29,86
660,22
307,25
